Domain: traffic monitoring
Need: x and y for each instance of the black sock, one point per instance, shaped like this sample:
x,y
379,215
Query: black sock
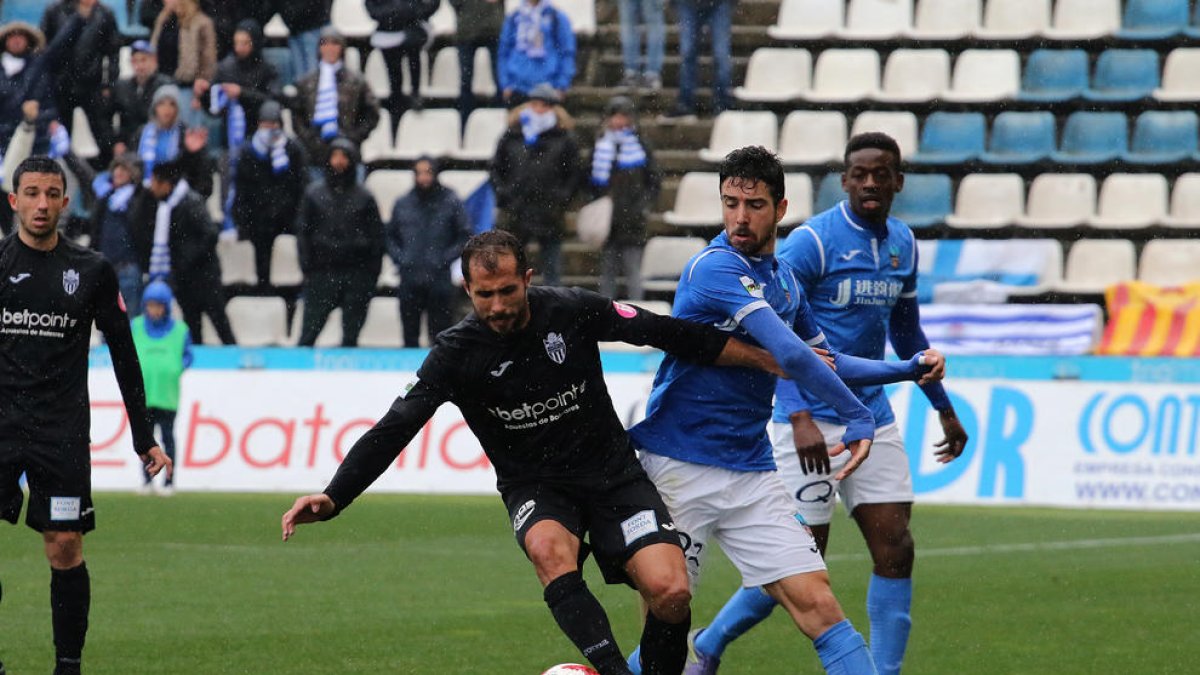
x,y
664,645
581,617
70,597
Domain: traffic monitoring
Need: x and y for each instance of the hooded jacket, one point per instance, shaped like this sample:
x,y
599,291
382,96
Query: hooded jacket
x,y
302,17
338,226
82,67
266,201
192,238
427,232
535,182
253,74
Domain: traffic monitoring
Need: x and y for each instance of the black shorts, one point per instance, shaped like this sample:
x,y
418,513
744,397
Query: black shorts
x,y
617,520
60,486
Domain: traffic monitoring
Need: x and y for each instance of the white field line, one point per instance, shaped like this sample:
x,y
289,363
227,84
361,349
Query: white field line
x,y
1068,545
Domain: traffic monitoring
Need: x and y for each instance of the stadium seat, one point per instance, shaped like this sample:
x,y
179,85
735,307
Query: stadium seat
x,y
376,74
697,202
382,327
1153,19
483,82
876,19
443,75
352,60
1054,75
258,321
285,262
1020,138
389,276
378,144
925,200
216,210
1093,138
388,185
83,141
428,132
808,19
734,129
1124,75
1181,76
1084,19
951,138
444,20
945,19
845,75
351,19
985,75
812,137
485,126
915,75
663,261
1170,262
1059,200
1185,202
988,200
1095,264
799,191
1163,137
1130,201
900,125
124,62
829,193
273,29
237,262
464,183
1014,19
776,75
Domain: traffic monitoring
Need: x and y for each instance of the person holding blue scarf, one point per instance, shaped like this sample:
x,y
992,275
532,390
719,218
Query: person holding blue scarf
x,y
111,232
165,139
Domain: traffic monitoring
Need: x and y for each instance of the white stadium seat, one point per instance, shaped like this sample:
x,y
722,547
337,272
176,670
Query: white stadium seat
x,y
876,19
258,322
378,144
444,21
697,201
664,258
1185,202
482,135
382,327
776,75
985,75
428,132
845,75
798,189
1014,19
351,19
945,19
813,137
388,185
808,19
988,201
1095,264
736,129
915,75
1170,262
1084,19
900,125
285,262
1058,200
1129,201
1180,76
237,262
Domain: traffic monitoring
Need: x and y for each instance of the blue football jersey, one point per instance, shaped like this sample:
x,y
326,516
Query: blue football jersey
x,y
717,415
853,280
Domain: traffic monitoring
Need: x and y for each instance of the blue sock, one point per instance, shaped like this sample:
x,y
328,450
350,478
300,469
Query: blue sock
x,y
635,660
743,611
843,651
888,605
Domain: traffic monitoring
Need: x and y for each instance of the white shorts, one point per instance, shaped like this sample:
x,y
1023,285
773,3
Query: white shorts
x,y
883,479
749,513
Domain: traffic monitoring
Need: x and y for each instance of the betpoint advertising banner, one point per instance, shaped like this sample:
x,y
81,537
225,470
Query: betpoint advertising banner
x,y
1057,443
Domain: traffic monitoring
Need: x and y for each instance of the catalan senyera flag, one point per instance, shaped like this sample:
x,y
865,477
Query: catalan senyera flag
x,y
1148,320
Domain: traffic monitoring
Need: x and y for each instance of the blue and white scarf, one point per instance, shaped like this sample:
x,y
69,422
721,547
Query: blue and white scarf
x,y
118,199
156,146
60,142
160,252
535,124
236,132
621,146
531,38
325,114
273,143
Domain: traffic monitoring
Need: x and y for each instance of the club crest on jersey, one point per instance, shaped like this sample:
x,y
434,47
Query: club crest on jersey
x,y
556,347
894,254
752,287
70,281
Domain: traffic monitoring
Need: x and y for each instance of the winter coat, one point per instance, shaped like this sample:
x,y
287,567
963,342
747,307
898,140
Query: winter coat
x,y
521,73
302,17
192,239
399,15
478,20
197,47
198,167
132,103
34,82
427,232
535,183
358,112
256,77
82,66
338,226
264,200
633,191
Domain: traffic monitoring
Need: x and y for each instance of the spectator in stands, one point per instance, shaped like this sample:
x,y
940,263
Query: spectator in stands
x,y
165,138
25,94
268,185
87,72
340,236
332,102
111,230
225,15
694,15
402,34
535,173
479,24
623,168
638,72
177,243
304,21
244,81
537,46
427,232
186,44
164,348
133,95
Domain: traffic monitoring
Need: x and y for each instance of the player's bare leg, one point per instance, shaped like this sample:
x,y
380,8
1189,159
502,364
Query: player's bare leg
x,y
660,574
889,596
554,552
70,597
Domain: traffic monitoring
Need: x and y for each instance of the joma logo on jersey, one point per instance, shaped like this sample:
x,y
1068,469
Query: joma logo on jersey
x,y
532,411
30,319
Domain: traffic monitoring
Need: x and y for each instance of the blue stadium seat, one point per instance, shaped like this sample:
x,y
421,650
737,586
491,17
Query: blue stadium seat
x,y
925,200
951,138
127,13
281,58
1054,75
1020,138
829,193
1153,19
1162,137
1093,138
29,11
1124,75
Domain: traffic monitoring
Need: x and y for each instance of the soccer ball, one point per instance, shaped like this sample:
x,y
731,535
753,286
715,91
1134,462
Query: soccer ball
x,y
570,669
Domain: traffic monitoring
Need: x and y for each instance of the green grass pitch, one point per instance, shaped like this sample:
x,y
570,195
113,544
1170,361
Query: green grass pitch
x,y
200,583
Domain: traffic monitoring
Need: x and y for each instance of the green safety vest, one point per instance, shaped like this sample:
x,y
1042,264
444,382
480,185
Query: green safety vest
x,y
162,363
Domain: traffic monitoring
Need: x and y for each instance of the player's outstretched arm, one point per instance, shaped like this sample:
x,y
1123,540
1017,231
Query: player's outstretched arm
x,y
156,460
741,354
307,509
